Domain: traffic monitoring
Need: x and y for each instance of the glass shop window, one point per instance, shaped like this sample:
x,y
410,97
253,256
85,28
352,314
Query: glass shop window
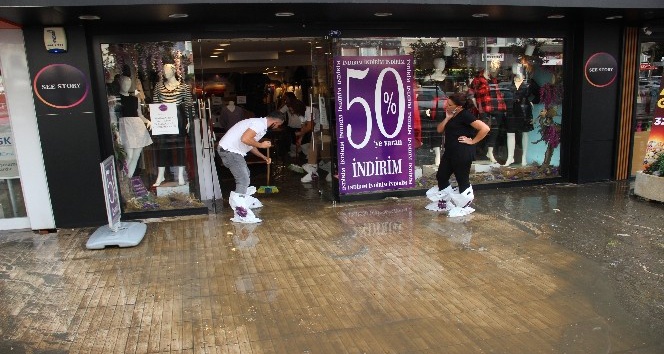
x,y
515,83
645,147
152,110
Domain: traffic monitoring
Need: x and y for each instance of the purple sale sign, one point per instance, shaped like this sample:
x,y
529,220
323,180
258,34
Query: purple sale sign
x,y
374,110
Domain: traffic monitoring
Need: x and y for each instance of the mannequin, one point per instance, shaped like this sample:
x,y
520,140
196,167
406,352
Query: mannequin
x,y
133,126
490,102
520,121
171,90
230,115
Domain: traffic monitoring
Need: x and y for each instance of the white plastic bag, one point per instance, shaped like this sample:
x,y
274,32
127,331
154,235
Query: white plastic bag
x,y
253,202
440,200
461,203
240,203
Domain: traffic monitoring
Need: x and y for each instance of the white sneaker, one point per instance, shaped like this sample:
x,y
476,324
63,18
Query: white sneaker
x,y
310,167
308,177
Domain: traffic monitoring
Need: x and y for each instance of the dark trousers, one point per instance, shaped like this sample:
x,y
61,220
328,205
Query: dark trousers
x,y
493,120
170,150
457,165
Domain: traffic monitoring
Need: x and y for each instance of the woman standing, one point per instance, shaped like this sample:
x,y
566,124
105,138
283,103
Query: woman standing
x,y
462,130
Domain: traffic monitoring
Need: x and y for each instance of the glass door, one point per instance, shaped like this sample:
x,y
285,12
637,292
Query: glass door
x,y
240,78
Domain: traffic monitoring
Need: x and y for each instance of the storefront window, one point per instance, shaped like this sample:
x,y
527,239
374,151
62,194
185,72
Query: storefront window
x,y
11,193
515,82
153,116
648,89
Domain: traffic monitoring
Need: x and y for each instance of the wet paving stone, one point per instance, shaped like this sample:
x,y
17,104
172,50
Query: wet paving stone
x,y
544,269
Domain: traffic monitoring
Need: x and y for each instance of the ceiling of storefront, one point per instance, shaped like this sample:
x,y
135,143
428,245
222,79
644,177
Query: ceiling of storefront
x,y
308,13
211,22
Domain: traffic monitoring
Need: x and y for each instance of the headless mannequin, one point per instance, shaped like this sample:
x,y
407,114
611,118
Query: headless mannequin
x,y
439,76
133,147
172,84
511,137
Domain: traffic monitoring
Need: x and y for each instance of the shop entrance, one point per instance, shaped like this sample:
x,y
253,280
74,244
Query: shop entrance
x,y
242,78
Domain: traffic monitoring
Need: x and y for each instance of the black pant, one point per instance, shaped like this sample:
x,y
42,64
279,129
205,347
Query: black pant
x,y
170,150
493,120
457,165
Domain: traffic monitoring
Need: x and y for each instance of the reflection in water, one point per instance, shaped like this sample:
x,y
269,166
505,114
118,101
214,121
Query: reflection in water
x,y
244,236
257,286
454,229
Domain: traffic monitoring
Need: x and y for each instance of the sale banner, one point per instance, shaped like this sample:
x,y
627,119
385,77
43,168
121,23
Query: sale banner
x,y
374,112
656,137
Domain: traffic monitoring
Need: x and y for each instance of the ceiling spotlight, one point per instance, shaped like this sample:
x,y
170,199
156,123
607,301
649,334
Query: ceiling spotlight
x,y
555,16
383,14
89,17
614,17
480,15
647,31
178,15
284,14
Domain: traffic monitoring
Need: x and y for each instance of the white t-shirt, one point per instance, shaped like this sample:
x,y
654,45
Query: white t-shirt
x,y
231,140
293,120
307,117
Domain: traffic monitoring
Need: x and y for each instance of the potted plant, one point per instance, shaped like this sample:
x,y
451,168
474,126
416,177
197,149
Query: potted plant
x,y
424,55
649,183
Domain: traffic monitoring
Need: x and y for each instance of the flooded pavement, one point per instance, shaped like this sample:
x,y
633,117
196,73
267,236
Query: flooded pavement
x,y
546,269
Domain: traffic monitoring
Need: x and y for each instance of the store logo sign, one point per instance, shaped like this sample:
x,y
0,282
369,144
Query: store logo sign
x,y
601,69
61,86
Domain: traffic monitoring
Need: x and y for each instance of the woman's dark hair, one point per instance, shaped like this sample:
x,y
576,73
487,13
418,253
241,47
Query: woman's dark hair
x,y
298,107
461,99
289,96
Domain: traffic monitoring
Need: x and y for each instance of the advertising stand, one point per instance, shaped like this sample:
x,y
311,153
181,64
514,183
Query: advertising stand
x,y
116,233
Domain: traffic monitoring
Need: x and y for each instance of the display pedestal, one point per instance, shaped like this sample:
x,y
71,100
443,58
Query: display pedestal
x,y
649,187
483,166
167,188
429,170
129,234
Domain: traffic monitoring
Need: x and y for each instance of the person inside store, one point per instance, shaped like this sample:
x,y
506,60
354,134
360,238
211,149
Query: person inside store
x,y
520,122
305,137
293,124
170,148
132,126
245,137
230,115
491,106
462,130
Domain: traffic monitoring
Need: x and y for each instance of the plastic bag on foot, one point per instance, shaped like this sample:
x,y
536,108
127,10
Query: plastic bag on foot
x,y
240,203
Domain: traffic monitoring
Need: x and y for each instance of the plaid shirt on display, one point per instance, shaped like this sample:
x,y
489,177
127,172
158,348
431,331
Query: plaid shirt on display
x,y
488,96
